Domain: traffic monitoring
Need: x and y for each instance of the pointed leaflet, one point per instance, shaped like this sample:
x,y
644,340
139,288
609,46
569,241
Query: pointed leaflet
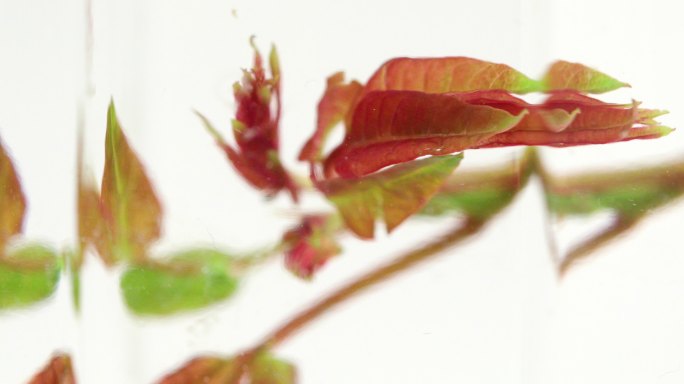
x,y
12,200
264,369
397,126
332,109
564,75
186,281
28,275
255,129
393,194
448,74
133,212
58,371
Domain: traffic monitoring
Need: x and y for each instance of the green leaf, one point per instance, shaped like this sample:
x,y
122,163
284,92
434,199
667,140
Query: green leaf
x,y
187,281
393,194
630,193
28,275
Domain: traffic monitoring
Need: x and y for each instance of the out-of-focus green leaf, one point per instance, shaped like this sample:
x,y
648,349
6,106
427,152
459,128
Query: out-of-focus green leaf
x,y
630,194
187,281
12,200
28,275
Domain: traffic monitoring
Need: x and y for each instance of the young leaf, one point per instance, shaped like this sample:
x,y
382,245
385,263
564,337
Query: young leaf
x,y
393,194
393,127
28,275
564,75
255,129
186,281
448,74
132,211
337,101
266,369
58,371
12,200
311,244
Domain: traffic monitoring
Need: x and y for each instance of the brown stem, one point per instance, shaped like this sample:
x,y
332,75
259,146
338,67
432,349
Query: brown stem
x,y
584,249
374,277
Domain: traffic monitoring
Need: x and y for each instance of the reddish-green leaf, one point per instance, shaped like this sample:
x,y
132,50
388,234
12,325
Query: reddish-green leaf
x,y
202,370
58,371
564,75
393,194
132,211
255,129
392,127
12,200
311,243
338,99
448,74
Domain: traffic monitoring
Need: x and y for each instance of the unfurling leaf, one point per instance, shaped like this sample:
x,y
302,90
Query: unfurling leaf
x,y
28,275
311,244
130,206
393,194
12,200
564,75
481,194
186,281
263,369
337,101
58,371
397,126
255,129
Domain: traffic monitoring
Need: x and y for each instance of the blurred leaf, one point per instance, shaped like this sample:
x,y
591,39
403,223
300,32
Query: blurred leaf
x,y
310,244
12,200
132,211
28,275
336,103
630,193
393,194
187,281
263,369
479,194
565,75
58,371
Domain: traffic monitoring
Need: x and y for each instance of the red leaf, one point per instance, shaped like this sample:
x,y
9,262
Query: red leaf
x,y
57,371
311,244
334,106
392,127
12,200
564,75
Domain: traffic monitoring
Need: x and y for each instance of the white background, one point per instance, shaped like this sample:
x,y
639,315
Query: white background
x,y
491,311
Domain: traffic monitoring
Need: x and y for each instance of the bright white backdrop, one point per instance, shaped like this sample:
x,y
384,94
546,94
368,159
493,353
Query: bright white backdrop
x,y
488,312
